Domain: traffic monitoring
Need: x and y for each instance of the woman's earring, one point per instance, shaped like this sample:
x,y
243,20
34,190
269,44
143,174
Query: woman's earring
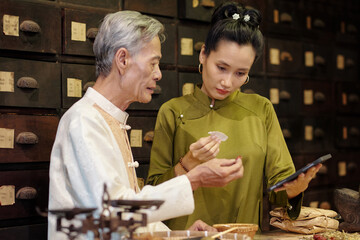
x,y
200,68
247,80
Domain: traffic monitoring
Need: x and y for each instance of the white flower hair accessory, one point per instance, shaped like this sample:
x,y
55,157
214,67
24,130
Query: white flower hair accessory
x,y
235,16
246,18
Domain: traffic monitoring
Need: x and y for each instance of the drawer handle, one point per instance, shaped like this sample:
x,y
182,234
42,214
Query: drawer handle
x,y
149,136
285,18
319,23
351,167
87,85
198,46
352,28
30,26
319,60
249,91
286,56
91,33
349,63
353,98
287,133
319,133
323,170
320,97
354,131
27,138
27,82
207,3
26,193
157,89
285,95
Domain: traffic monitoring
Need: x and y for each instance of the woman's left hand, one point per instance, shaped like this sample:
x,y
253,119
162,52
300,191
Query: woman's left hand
x,y
300,184
201,226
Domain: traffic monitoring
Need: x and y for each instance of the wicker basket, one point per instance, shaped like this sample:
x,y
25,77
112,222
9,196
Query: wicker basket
x,y
243,228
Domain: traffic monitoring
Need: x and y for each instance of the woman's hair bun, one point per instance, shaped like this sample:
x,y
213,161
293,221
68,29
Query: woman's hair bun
x,y
236,12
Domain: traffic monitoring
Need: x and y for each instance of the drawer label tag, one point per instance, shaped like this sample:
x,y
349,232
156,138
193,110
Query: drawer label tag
x,y
308,97
187,46
136,138
78,31
188,88
274,56
274,96
74,87
308,133
6,81
340,62
7,195
11,25
7,138
309,59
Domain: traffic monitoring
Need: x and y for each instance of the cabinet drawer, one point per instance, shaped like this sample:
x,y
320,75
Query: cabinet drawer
x,y
25,83
188,81
26,200
317,60
141,147
285,96
283,17
190,40
317,134
30,27
284,57
347,169
157,7
75,80
168,86
110,4
291,129
80,29
168,48
323,198
316,97
317,20
197,10
348,132
256,85
344,64
348,97
18,145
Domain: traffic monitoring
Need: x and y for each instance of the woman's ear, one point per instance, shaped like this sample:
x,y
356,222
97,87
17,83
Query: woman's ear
x,y
121,60
202,55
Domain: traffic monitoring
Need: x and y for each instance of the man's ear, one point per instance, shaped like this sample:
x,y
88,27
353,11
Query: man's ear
x,y
121,59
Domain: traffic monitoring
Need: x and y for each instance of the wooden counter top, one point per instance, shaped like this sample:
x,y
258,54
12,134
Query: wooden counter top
x,y
278,234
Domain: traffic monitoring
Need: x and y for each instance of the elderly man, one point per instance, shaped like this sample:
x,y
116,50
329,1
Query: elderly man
x,y
92,147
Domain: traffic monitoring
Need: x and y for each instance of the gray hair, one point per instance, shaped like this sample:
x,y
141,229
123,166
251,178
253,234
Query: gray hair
x,y
123,29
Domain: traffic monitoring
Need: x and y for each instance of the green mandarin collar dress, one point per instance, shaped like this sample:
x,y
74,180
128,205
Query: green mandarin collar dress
x,y
250,122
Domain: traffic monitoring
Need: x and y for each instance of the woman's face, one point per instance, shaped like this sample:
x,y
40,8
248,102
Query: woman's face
x,y
225,70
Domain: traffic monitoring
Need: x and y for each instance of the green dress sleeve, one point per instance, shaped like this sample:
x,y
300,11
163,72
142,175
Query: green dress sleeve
x,y
279,164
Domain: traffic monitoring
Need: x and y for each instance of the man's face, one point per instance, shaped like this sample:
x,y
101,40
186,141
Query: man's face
x,y
144,72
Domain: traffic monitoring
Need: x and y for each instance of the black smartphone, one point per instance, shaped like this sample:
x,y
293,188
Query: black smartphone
x,y
301,170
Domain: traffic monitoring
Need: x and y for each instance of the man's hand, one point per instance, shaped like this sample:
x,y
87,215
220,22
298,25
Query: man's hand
x,y
201,226
216,173
300,184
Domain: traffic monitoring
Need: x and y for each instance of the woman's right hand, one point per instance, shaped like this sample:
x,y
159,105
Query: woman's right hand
x,y
206,148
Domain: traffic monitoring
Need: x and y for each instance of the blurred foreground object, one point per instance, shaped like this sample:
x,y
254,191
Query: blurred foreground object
x,y
310,220
347,201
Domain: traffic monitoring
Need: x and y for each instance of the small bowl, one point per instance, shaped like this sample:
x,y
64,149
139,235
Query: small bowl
x,y
244,228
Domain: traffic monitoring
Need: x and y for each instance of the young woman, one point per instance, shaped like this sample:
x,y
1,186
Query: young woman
x,y
232,45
